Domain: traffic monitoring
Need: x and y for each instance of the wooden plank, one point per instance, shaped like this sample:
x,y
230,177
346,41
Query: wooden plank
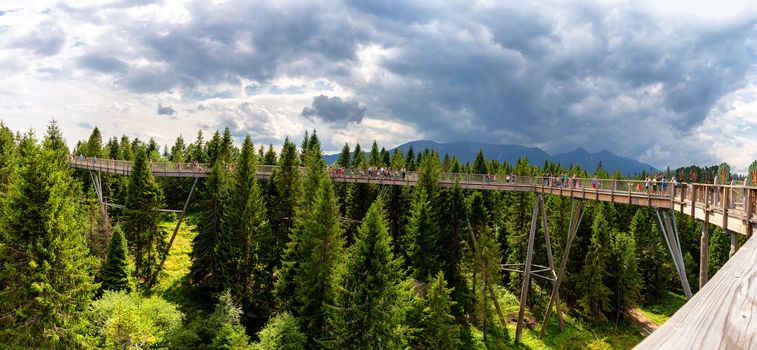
x,y
720,315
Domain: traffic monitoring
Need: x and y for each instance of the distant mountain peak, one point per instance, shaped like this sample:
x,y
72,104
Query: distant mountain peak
x,y
466,151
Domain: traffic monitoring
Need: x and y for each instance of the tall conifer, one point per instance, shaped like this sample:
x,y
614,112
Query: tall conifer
x,y
369,308
141,217
115,271
46,273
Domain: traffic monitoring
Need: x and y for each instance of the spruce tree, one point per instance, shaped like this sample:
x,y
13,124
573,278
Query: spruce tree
x,y
420,242
281,333
626,279
344,157
284,189
205,270
320,242
368,311
438,329
651,255
717,250
115,270
141,218
94,144
244,225
595,294
374,158
7,157
453,235
46,273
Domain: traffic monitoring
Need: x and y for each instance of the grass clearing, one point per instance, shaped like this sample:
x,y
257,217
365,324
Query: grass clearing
x,y
662,311
577,335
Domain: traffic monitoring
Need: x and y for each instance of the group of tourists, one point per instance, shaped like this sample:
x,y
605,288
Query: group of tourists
x,y
371,171
657,184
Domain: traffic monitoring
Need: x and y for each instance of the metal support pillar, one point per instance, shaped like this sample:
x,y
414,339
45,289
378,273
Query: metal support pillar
x,y
97,182
575,221
670,233
527,270
175,231
550,262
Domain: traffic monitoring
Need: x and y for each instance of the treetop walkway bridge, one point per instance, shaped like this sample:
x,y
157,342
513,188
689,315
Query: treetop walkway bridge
x,y
718,315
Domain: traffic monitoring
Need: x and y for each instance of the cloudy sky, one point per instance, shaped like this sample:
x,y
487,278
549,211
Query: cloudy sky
x,y
671,84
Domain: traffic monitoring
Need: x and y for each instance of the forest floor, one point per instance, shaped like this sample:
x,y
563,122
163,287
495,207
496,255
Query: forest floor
x,y
578,333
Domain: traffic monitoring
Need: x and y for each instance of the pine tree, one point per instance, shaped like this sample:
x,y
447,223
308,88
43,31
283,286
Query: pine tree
x,y
281,333
369,308
270,156
94,144
626,278
358,158
320,242
375,157
205,270
344,157
7,157
595,294
717,250
438,329
487,268
421,238
453,235
141,217
46,273
244,224
651,255
115,270
284,188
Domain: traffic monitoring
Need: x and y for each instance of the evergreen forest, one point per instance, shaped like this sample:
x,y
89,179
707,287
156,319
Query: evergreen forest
x,y
296,261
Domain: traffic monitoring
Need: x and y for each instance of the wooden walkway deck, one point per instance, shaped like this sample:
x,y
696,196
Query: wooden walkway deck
x,y
719,316
730,207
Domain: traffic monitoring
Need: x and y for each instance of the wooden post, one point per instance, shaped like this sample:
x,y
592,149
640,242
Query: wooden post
x,y
175,231
694,201
550,261
703,247
527,271
575,222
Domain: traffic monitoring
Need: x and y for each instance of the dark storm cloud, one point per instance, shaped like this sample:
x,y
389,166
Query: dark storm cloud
x,y
335,110
557,75
102,63
165,110
46,39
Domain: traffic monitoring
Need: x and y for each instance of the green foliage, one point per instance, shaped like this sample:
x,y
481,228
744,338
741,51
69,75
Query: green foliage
x,y
129,321
281,333
46,273
115,270
369,308
244,224
724,173
718,250
7,157
141,217
344,157
595,300
651,254
374,158
752,176
421,238
453,235
625,275
438,330
206,269
225,321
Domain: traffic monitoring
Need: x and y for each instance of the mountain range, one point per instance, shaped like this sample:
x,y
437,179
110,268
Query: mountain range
x,y
467,151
